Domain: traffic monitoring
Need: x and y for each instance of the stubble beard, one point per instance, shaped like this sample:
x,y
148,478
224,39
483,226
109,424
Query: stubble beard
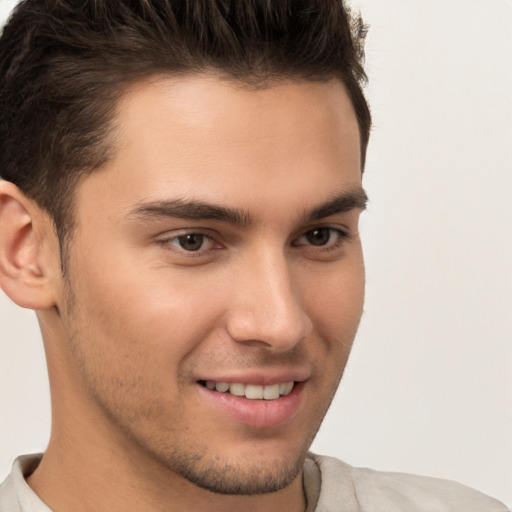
x,y
206,470
243,477
229,479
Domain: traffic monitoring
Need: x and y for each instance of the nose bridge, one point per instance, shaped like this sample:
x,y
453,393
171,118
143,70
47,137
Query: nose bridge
x,y
267,305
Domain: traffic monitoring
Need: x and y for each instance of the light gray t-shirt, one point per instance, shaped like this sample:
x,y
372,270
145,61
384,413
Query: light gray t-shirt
x,y
330,486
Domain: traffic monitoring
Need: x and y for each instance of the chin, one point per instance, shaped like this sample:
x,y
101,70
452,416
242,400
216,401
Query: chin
x,y
241,478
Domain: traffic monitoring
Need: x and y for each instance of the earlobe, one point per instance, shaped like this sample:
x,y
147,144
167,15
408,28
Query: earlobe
x,y
22,273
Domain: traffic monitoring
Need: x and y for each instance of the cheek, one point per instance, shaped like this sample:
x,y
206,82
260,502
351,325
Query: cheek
x,y
335,299
156,317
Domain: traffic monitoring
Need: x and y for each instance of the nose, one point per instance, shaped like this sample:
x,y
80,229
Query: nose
x,y
266,307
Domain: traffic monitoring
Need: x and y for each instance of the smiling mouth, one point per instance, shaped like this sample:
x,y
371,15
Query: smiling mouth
x,y
250,391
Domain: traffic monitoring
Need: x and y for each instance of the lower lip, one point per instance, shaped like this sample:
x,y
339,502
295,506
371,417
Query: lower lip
x,y
257,413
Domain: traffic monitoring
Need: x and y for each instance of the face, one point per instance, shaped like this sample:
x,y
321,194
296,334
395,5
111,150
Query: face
x,y
216,277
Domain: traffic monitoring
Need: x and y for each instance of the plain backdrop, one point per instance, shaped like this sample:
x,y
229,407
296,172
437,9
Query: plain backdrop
x,y
428,388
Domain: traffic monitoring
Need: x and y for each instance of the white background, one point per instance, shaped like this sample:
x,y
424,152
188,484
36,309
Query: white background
x,y
428,388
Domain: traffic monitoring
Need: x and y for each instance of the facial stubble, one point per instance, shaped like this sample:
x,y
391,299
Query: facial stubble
x,y
197,464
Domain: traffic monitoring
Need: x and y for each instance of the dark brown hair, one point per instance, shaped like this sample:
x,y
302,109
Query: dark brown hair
x,y
65,63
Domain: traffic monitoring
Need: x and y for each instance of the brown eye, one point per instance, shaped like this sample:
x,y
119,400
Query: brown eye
x,y
322,237
318,236
191,241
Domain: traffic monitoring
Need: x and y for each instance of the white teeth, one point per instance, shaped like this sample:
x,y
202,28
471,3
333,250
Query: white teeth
x,y
237,389
288,386
271,392
222,387
252,391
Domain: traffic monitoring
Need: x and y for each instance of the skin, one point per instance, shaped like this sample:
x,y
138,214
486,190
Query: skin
x,y
140,320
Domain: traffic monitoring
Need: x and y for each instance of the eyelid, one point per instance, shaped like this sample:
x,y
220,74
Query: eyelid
x,y
216,240
175,233
342,232
171,236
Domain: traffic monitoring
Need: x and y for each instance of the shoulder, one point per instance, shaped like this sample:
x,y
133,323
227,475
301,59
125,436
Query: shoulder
x,y
15,493
377,491
8,500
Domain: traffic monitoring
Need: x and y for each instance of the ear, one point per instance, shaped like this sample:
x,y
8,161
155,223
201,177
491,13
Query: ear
x,y
24,273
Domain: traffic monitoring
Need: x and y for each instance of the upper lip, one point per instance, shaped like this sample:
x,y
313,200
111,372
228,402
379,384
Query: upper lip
x,y
261,377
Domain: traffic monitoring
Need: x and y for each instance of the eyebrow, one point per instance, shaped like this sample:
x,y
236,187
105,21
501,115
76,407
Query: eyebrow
x,y
192,210
200,210
345,202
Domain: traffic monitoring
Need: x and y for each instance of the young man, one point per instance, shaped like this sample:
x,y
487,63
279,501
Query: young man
x,y
180,206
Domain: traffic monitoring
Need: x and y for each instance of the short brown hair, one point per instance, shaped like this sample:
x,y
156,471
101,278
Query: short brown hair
x,y
65,63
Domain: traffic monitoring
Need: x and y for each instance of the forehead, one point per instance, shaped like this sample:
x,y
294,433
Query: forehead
x,y
211,139
236,110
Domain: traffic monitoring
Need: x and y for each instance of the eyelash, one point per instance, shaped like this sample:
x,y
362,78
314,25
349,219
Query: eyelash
x,y
174,241
197,252
341,236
